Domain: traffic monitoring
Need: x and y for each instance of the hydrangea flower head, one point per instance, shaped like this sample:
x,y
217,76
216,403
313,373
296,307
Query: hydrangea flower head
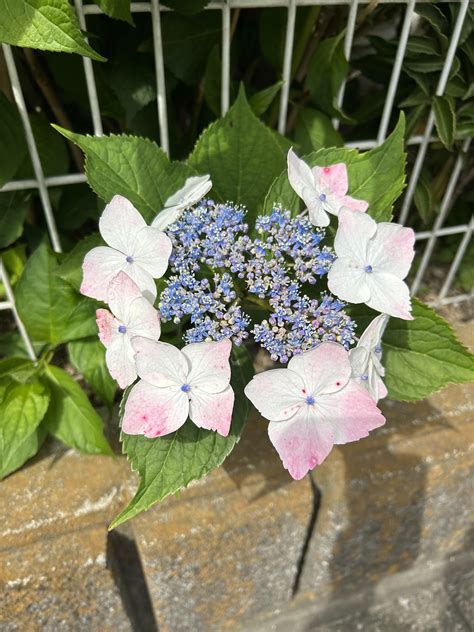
x,y
372,261
131,315
175,383
323,189
312,405
133,247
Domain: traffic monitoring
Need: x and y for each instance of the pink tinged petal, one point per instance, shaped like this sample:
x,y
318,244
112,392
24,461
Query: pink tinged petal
x,y
389,295
353,234
353,204
106,324
348,282
159,363
121,292
119,224
392,249
332,179
153,411
152,251
277,394
351,413
143,319
209,367
299,174
324,369
302,442
119,360
100,266
212,411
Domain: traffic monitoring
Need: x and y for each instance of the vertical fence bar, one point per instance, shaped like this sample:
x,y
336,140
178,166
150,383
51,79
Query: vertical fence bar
x,y
430,122
19,323
445,206
397,67
456,262
30,139
351,20
160,76
90,79
225,71
285,89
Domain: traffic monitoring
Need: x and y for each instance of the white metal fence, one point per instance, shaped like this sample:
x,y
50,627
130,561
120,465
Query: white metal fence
x,y
42,183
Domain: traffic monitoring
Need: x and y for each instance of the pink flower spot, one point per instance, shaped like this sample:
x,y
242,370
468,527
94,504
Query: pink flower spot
x,y
338,384
313,461
327,169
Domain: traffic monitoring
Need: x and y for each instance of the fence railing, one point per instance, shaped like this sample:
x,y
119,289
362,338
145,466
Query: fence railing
x,y
43,184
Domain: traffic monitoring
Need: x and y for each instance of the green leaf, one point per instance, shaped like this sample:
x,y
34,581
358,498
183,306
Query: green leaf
x,y
71,417
377,176
134,83
187,42
314,130
52,150
13,208
118,9
326,72
421,356
131,166
70,269
50,309
22,408
18,369
423,197
241,155
212,81
169,463
12,140
88,357
43,24
77,204
445,120
261,101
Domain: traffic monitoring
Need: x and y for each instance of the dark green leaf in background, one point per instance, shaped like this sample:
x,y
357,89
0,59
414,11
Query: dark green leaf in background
x,y
314,130
423,197
49,307
52,150
43,24
169,463
71,417
261,101
22,409
445,120
118,9
70,268
12,140
88,357
13,209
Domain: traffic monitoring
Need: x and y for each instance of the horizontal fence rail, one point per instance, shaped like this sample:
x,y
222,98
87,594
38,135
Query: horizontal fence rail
x,y
154,8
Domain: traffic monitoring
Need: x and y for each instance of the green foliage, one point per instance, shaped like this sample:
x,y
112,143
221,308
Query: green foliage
x,y
169,463
261,101
445,120
314,130
52,151
70,269
241,155
49,307
130,166
13,208
118,9
377,176
12,140
71,417
421,356
88,357
324,85
44,24
22,409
